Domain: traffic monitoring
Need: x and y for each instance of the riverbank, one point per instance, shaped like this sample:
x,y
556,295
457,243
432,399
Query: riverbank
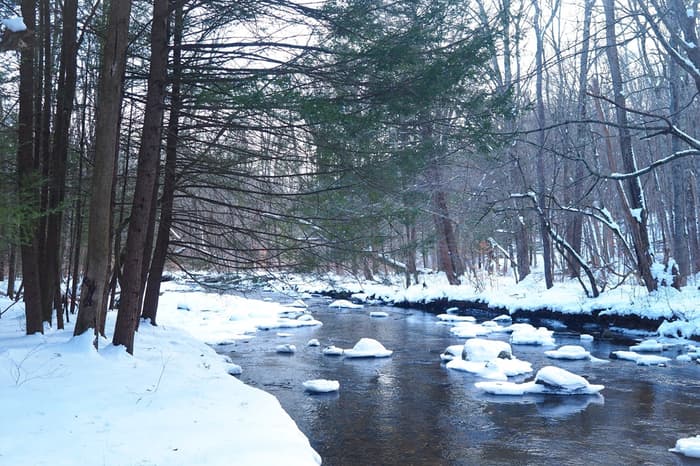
x,y
667,311
172,403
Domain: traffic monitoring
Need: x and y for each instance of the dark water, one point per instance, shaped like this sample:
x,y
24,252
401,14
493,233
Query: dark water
x,y
410,410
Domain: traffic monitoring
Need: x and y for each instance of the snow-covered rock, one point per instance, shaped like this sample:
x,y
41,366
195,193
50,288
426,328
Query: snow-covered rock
x,y
532,336
313,342
455,318
286,348
549,380
640,359
345,304
586,337
379,314
321,386
452,352
367,348
234,369
571,352
689,446
470,330
648,346
478,349
492,359
332,351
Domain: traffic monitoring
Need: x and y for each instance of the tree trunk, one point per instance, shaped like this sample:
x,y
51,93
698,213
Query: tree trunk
x,y
149,157
681,252
541,175
150,305
637,213
93,289
28,179
64,109
575,230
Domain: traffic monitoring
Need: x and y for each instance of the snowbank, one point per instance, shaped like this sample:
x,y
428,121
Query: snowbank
x,y
173,403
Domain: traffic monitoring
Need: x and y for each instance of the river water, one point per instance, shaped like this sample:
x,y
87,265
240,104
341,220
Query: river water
x,y
410,410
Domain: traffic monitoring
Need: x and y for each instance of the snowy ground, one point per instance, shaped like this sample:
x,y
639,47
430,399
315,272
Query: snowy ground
x,y
172,403
679,308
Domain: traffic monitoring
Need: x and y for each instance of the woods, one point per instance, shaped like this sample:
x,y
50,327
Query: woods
x,y
472,138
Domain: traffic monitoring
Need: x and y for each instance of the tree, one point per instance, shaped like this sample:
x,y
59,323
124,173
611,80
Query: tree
x,y
145,190
93,294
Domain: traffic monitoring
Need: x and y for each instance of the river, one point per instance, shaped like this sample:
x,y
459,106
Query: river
x,y
410,410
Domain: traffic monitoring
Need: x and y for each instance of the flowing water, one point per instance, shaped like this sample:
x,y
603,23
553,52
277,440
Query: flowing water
x,y
410,410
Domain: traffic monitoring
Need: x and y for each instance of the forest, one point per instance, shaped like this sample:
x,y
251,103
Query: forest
x,y
361,136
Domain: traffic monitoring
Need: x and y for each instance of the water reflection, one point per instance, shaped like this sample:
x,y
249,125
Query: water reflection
x,y
410,410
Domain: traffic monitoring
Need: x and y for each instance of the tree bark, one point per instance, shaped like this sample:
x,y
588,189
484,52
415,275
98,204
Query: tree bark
x,y
93,292
152,293
28,180
636,214
149,157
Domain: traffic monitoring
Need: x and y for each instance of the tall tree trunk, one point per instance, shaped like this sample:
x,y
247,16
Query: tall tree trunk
x,y
575,230
541,175
93,292
160,253
681,252
65,94
149,157
637,213
28,179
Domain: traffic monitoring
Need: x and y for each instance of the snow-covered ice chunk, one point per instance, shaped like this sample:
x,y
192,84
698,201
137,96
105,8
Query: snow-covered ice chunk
x,y
640,359
586,337
689,446
549,380
333,351
532,336
15,24
367,348
378,314
572,352
345,304
321,386
286,348
313,342
648,346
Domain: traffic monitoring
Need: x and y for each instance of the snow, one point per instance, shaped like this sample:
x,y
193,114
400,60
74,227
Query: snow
x,y
313,342
470,330
689,447
455,318
321,386
570,352
378,314
333,351
15,24
172,403
345,304
490,359
550,380
650,346
367,348
286,349
452,352
532,336
640,359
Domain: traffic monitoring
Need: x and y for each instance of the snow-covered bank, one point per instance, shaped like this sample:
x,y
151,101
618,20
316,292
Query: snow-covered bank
x,y
172,403
671,312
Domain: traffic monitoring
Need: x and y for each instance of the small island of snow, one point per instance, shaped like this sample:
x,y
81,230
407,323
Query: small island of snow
x,y
368,348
